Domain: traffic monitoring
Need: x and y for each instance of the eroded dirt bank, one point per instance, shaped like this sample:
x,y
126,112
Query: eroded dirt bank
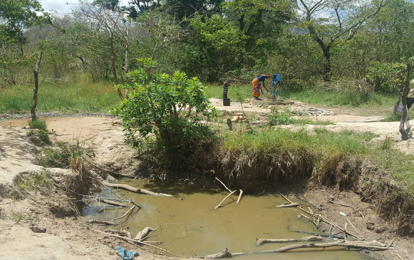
x,y
71,237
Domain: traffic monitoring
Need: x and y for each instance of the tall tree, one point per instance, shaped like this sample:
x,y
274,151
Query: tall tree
x,y
15,16
331,21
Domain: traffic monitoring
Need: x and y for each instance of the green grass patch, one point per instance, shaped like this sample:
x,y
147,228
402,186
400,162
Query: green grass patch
x,y
67,97
393,117
282,140
277,117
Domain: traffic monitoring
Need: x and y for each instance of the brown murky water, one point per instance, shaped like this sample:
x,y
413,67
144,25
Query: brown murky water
x,y
191,226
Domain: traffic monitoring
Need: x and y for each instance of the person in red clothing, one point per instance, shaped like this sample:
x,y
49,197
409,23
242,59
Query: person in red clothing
x,y
256,91
261,78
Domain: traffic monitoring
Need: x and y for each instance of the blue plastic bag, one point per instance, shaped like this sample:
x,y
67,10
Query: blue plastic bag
x,y
125,254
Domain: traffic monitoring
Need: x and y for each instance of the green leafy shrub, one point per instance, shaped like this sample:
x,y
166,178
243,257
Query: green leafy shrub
x,y
42,131
385,77
167,107
38,124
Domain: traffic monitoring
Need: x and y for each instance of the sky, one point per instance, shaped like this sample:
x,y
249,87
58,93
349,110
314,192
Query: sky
x,y
65,6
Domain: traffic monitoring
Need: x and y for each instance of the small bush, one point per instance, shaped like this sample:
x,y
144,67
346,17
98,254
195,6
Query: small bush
x,y
44,137
61,156
169,108
42,132
38,124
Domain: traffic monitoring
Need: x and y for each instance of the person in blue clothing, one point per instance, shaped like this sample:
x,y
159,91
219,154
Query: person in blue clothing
x,y
261,78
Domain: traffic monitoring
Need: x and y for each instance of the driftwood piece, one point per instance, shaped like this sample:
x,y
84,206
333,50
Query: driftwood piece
x,y
134,189
219,205
262,241
142,235
224,254
110,202
240,196
288,205
122,233
92,221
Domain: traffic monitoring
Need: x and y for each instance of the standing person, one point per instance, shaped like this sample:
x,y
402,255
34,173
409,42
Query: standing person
x,y
256,91
261,78
226,101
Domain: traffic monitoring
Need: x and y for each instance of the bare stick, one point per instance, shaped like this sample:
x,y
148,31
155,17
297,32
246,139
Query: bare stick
x,y
110,202
352,225
400,257
283,196
240,195
92,221
355,244
223,184
219,205
262,241
133,189
374,245
288,205
126,213
119,232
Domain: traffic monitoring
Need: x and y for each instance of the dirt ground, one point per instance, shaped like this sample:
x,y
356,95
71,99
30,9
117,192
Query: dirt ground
x,y
72,238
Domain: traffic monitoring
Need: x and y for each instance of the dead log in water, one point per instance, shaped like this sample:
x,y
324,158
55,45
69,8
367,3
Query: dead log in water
x,y
134,189
262,241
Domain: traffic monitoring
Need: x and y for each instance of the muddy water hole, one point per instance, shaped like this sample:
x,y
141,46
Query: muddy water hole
x,y
189,226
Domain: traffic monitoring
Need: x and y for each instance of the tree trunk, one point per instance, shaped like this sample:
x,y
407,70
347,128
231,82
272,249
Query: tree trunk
x,y
327,63
35,90
114,66
404,118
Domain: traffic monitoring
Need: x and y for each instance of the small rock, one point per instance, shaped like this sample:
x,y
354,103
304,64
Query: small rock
x,y
37,229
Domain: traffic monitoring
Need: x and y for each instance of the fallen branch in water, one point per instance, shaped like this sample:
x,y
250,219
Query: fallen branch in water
x,y
240,195
92,221
126,213
219,205
320,217
134,189
110,202
288,205
223,184
374,245
262,241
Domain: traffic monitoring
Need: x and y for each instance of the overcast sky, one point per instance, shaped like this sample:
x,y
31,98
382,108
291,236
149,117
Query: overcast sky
x,y
65,6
